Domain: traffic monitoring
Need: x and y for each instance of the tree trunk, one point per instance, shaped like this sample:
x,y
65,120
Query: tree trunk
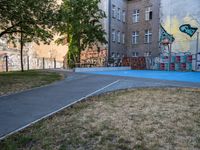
x,y
21,52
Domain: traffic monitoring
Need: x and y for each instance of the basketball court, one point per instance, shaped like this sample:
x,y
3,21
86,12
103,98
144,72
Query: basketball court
x,y
162,75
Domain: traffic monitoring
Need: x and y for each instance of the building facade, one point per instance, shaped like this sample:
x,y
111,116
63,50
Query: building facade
x,y
143,28
132,27
117,28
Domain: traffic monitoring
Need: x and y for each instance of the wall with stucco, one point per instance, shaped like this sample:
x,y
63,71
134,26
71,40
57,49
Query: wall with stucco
x,y
34,52
173,14
51,51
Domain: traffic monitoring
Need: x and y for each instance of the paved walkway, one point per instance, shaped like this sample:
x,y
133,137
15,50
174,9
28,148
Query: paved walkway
x,y
19,110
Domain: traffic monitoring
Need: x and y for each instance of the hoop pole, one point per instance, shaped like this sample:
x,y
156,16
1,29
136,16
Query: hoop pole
x,y
197,51
170,50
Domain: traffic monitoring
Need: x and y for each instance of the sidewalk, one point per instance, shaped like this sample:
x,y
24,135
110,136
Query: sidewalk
x,y
19,110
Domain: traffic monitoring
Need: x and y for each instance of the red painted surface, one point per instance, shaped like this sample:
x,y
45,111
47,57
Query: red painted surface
x,y
178,59
183,66
172,66
136,63
189,58
162,66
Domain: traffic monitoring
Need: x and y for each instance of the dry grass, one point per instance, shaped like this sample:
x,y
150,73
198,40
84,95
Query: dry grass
x,y
19,81
143,119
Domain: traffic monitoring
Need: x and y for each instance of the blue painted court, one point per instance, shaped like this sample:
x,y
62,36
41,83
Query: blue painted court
x,y
162,75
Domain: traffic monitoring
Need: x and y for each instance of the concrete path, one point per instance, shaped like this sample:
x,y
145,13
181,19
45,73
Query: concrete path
x,y
19,110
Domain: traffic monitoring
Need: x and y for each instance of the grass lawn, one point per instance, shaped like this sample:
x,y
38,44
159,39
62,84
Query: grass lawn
x,y
18,81
139,119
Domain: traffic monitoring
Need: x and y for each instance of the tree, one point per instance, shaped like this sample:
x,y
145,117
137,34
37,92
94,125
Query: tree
x,y
80,25
30,20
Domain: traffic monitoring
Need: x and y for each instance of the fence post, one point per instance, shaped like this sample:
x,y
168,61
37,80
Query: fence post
x,y
54,63
6,57
43,63
27,62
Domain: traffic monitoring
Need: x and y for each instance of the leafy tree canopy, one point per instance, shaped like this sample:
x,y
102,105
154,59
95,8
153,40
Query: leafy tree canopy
x,y
34,18
80,24
31,20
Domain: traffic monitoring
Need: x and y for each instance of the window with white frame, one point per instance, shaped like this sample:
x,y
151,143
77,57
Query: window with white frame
x,y
124,16
148,13
135,54
119,14
113,11
135,37
113,55
123,38
113,35
148,36
147,54
118,37
136,15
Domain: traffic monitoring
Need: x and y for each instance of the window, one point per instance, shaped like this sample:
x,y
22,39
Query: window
x,y
135,54
113,35
147,54
124,16
136,14
148,13
148,36
118,37
113,11
113,55
135,37
123,38
119,14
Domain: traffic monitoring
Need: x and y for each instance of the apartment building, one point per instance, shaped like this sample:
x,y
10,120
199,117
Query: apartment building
x,y
133,28
143,28
118,28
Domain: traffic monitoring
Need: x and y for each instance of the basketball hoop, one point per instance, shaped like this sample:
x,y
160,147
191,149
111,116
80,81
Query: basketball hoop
x,y
165,42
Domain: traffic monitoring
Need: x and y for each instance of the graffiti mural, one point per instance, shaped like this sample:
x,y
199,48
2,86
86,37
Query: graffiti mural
x,y
94,57
173,61
165,40
177,13
34,63
1,61
186,28
164,35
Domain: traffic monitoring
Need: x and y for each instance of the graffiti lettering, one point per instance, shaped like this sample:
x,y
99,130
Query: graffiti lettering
x,y
186,28
94,57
